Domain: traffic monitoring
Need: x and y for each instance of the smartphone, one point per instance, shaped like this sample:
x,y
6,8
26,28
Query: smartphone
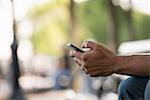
x,y
74,47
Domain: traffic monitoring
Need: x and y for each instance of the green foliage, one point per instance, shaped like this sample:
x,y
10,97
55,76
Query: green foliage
x,y
92,16
52,24
50,28
142,25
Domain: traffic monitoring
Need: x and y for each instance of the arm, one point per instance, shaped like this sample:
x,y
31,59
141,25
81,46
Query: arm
x,y
100,61
136,65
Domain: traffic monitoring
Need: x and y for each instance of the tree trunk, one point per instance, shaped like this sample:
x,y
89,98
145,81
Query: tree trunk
x,y
113,41
130,26
147,27
72,19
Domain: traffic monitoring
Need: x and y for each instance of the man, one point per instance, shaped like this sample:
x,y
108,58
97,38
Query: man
x,y
101,61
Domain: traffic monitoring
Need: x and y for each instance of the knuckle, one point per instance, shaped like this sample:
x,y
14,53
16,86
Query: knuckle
x,y
97,47
86,57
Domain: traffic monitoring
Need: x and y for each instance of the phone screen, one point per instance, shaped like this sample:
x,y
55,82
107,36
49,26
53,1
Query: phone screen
x,y
74,47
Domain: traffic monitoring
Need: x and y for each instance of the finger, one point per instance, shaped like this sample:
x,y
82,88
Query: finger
x,y
91,70
93,45
78,55
84,44
78,61
93,75
100,67
71,53
100,73
85,70
95,70
96,73
90,44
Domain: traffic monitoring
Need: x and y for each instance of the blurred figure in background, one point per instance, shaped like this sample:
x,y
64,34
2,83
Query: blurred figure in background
x,y
62,75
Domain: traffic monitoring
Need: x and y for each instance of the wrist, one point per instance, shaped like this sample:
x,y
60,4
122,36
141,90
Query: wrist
x,y
121,63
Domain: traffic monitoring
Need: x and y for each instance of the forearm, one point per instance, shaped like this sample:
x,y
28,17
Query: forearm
x,y
136,65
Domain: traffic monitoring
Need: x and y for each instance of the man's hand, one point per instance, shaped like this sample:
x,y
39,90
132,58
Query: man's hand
x,y
99,61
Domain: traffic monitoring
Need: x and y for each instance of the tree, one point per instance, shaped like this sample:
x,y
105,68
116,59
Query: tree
x,y
113,36
130,25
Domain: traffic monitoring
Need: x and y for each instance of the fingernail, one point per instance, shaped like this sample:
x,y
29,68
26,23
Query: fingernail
x,y
71,53
74,58
86,43
74,52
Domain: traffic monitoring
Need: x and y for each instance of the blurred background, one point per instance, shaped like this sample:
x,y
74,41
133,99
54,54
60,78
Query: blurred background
x,y
34,61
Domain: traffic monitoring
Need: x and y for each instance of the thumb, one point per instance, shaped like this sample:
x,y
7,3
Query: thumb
x,y
90,44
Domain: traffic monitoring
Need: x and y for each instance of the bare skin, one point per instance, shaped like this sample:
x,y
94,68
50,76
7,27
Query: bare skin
x,y
101,61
